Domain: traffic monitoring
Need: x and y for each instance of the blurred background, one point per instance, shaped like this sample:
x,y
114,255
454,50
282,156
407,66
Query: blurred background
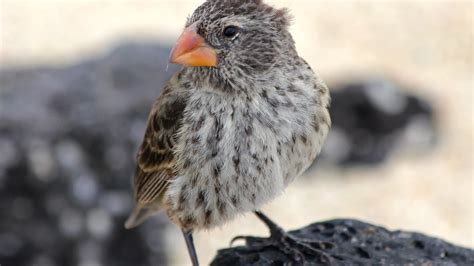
x,y
77,79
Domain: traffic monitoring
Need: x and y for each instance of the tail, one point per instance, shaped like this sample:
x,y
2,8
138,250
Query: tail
x,y
139,215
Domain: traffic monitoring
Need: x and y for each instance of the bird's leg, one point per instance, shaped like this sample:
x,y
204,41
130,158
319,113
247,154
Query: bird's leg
x,y
275,230
188,237
292,246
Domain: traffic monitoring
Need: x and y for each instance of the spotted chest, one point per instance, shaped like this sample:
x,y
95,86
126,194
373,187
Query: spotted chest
x,y
236,153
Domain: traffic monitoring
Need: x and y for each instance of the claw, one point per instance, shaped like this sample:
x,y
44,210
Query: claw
x,y
290,245
249,240
238,238
325,258
294,247
321,245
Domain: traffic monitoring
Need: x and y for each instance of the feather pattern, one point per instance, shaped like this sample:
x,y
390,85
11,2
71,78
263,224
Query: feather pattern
x,y
155,157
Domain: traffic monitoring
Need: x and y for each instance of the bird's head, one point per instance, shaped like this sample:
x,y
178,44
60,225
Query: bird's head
x,y
231,42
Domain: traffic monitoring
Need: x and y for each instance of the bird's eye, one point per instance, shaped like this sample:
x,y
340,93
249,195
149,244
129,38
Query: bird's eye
x,y
230,31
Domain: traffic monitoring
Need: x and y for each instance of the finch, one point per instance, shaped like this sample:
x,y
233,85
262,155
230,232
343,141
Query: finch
x,y
239,122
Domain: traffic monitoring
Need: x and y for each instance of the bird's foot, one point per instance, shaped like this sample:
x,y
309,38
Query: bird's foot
x,y
298,249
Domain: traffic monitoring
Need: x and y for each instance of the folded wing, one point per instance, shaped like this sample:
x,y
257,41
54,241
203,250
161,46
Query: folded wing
x,y
156,159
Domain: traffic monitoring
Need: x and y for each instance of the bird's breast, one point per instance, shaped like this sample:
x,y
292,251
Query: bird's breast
x,y
235,153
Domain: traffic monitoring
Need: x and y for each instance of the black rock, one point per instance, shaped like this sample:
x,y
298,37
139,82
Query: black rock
x,y
357,243
372,117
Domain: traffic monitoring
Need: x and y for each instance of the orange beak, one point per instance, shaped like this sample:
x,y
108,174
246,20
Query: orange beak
x,y
192,50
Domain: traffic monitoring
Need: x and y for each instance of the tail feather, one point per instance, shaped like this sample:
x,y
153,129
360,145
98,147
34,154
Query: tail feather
x,y
138,216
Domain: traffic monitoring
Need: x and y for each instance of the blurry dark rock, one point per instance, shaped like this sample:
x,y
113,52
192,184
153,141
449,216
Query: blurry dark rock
x,y
371,118
68,137
357,243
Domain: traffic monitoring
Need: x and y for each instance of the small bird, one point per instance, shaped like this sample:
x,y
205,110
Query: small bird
x,y
239,122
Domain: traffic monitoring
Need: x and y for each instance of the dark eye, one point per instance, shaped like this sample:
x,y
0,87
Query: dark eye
x,y
230,31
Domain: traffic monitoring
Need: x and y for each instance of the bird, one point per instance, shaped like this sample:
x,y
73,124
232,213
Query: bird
x,y
242,118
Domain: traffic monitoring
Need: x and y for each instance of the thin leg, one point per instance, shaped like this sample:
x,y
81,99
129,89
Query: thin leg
x,y
274,228
188,237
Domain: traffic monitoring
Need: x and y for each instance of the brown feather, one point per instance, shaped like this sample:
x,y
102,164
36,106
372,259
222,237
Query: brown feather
x,y
155,158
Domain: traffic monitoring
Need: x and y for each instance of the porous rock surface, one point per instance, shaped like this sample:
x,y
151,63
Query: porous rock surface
x,y
357,243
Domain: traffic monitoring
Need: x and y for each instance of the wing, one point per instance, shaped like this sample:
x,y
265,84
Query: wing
x,y
155,159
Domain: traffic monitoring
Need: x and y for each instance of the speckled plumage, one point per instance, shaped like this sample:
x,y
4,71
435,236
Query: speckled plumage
x,y
224,140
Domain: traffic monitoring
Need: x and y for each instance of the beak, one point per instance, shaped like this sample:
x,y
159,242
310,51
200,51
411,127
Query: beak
x,y
192,50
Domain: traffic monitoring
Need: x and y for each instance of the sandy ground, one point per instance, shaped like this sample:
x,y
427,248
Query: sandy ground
x,y
425,44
